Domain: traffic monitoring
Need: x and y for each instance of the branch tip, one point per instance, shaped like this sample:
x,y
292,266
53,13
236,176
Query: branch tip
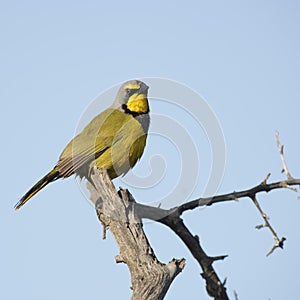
x,y
260,226
278,244
280,148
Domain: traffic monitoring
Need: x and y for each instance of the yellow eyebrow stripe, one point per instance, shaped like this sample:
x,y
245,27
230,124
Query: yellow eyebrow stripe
x,y
132,86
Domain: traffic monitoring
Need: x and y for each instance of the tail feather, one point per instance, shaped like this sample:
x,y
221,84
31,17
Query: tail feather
x,y
51,176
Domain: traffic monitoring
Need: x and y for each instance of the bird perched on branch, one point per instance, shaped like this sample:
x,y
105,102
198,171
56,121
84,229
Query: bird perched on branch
x,y
115,140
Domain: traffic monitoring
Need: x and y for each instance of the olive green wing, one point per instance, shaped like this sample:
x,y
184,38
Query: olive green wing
x,y
94,140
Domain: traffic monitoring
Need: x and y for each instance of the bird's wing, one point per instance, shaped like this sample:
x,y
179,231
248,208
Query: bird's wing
x,y
94,139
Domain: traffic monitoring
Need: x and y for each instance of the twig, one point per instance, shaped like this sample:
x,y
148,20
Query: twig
x,y
278,242
284,166
262,187
163,216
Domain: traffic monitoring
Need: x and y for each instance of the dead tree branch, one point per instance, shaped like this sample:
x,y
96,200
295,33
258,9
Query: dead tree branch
x,y
262,187
135,250
149,277
171,218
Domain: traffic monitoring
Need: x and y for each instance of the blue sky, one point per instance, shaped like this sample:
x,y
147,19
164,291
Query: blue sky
x,y
241,56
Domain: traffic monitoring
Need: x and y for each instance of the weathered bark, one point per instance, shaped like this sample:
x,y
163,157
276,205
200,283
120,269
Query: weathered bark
x,y
150,278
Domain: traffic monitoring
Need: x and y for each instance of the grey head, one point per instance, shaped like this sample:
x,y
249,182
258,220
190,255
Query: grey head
x,y
126,90
132,99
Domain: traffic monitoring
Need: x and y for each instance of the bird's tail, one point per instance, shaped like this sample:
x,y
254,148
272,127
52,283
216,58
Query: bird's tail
x,y
51,176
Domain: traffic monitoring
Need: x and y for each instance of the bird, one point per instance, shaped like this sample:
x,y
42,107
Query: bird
x,y
114,140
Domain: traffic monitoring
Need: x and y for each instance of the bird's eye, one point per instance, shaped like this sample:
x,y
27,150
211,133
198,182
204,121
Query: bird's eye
x,y
130,92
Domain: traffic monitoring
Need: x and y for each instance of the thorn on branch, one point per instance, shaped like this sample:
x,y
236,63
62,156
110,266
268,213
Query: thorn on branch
x,y
264,182
215,258
236,297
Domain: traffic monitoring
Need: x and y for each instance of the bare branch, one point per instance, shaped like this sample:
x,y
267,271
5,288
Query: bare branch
x,y
215,288
262,187
278,242
171,218
284,166
150,278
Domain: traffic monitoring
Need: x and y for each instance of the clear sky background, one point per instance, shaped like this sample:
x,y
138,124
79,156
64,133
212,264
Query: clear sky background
x,y
241,56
